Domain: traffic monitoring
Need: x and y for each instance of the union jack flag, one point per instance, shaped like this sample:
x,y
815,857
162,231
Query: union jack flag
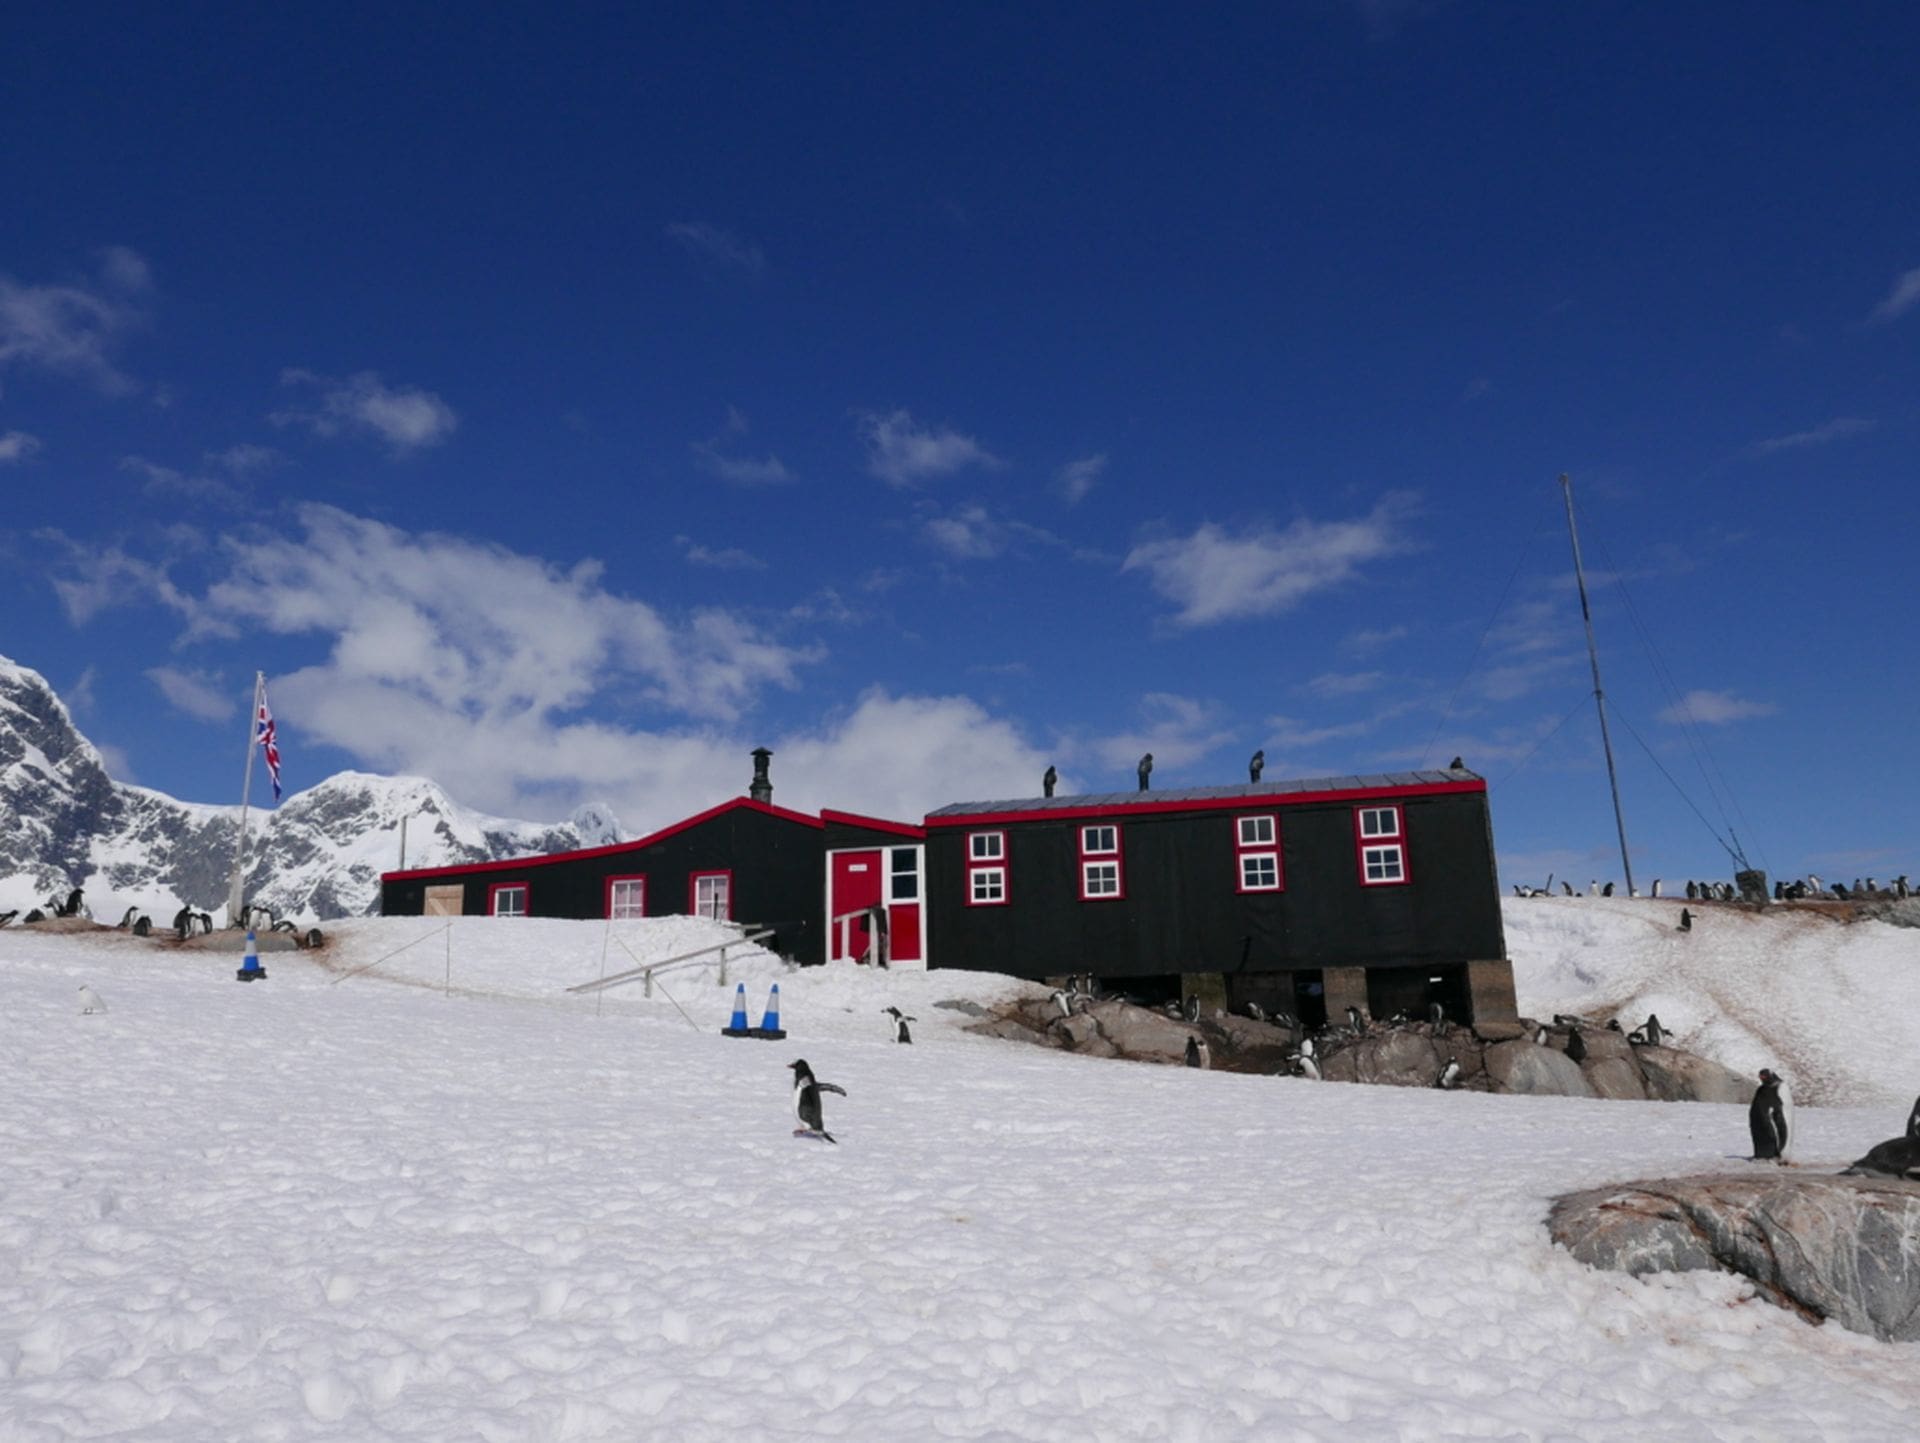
x,y
269,741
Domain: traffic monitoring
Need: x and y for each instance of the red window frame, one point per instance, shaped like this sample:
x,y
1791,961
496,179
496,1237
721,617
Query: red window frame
x,y
1101,856
607,892
1243,849
1394,841
494,889
694,880
980,866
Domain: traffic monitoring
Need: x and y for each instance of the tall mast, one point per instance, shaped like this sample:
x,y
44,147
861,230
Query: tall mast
x,y
236,887
1599,697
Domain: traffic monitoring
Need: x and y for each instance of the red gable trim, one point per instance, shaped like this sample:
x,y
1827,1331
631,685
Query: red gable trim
x,y
1255,803
874,824
544,859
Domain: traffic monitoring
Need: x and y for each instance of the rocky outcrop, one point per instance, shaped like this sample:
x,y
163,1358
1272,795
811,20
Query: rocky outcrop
x,y
1676,1076
65,823
1845,1248
1522,1066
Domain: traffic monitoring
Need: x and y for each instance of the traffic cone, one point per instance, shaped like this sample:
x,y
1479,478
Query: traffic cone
x,y
738,1027
770,1020
250,968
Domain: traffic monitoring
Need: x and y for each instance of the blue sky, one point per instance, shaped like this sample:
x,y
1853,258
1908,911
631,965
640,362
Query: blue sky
x,y
560,404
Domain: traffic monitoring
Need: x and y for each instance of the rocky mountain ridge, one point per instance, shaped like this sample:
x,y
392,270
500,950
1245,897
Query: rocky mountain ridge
x,y
64,823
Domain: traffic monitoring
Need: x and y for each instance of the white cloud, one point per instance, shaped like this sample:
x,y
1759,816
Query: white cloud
x,y
1837,429
1213,576
902,452
719,247
72,329
1337,684
969,534
1373,639
17,446
1901,299
1715,708
1077,478
194,692
244,459
1178,731
741,470
405,417
166,481
730,558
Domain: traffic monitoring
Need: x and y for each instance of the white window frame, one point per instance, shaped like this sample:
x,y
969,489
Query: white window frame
x,y
511,889
986,847
1100,879
1384,856
911,875
987,886
1247,843
1091,848
1271,861
1370,831
1257,838
704,906
625,910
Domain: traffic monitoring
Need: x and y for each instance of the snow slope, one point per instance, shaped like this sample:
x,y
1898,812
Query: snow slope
x,y
424,1193
1833,1004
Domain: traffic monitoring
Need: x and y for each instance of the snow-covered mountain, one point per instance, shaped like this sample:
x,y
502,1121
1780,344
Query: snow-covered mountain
x,y
65,823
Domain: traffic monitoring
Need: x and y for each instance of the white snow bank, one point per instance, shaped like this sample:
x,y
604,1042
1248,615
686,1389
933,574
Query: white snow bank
x,y
1833,1005
317,1208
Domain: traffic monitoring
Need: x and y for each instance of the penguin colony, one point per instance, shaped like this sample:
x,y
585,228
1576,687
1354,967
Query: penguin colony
x,y
1807,888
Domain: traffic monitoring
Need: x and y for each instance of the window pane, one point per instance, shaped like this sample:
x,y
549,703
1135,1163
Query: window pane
x,y
1259,871
986,846
711,898
1256,831
1380,822
510,902
628,899
1382,864
1099,839
1102,879
989,884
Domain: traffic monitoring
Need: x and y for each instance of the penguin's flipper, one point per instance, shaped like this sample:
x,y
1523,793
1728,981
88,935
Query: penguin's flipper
x,y
829,1087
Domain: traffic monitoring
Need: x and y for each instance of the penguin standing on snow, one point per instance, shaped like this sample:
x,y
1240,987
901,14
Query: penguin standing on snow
x,y
1449,1078
1686,920
900,1021
1197,1053
1767,1118
806,1101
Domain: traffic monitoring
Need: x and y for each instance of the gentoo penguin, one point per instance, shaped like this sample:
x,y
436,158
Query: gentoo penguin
x,y
1256,764
1197,1053
1458,764
1593,886
900,1021
1686,920
1656,886
6,917
1540,1035
1566,887
1767,1119
1693,892
1063,1000
1437,1018
90,1001
1049,781
1190,1007
1656,1034
126,918
1144,770
1304,1060
806,1099
1256,1012
1354,1020
1613,1025
1576,1046
1449,1077
1913,1121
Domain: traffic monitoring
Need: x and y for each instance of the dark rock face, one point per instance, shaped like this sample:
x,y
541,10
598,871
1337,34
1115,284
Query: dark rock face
x,y
1845,1248
64,822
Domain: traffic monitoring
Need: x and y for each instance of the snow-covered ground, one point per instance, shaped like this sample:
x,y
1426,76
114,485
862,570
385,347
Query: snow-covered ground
x,y
431,1195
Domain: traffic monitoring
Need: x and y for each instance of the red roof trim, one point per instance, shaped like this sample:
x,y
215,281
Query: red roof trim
x,y
543,859
1207,804
876,824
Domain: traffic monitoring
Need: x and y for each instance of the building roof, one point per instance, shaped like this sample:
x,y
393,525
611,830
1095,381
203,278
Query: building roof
x,y
1291,791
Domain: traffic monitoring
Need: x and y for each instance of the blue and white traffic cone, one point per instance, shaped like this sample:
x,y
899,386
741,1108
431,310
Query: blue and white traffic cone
x,y
770,1020
738,1027
250,968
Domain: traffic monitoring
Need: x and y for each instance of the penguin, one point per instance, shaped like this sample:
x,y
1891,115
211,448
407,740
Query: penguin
x,y
1593,886
1693,892
126,918
36,915
1063,1000
1540,1035
90,1002
1437,1018
1686,920
142,925
1256,1012
1355,1020
1256,764
6,917
900,1021
1049,781
1656,1034
1449,1077
1305,1063
1576,1046
1913,1121
1566,887
1786,1112
1190,1008
1458,764
71,907
1840,891
1144,770
806,1101
1767,1119
1197,1052
1656,886
183,922
1607,890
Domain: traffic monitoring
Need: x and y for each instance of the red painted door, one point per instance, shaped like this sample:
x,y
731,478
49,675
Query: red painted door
x,y
857,879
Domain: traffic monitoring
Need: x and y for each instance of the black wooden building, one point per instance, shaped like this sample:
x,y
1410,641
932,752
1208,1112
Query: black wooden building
x,y
1302,895
745,860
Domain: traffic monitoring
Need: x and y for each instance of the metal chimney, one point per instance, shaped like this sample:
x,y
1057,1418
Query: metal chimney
x,y
762,788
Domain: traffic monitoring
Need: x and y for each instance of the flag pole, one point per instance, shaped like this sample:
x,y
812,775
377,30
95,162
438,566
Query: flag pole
x,y
236,886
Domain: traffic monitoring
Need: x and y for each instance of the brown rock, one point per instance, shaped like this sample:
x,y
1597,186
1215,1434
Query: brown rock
x,y
1527,1067
1502,1031
1676,1076
1614,1077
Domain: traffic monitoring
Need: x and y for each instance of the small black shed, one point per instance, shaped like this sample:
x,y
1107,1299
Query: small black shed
x,y
744,860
